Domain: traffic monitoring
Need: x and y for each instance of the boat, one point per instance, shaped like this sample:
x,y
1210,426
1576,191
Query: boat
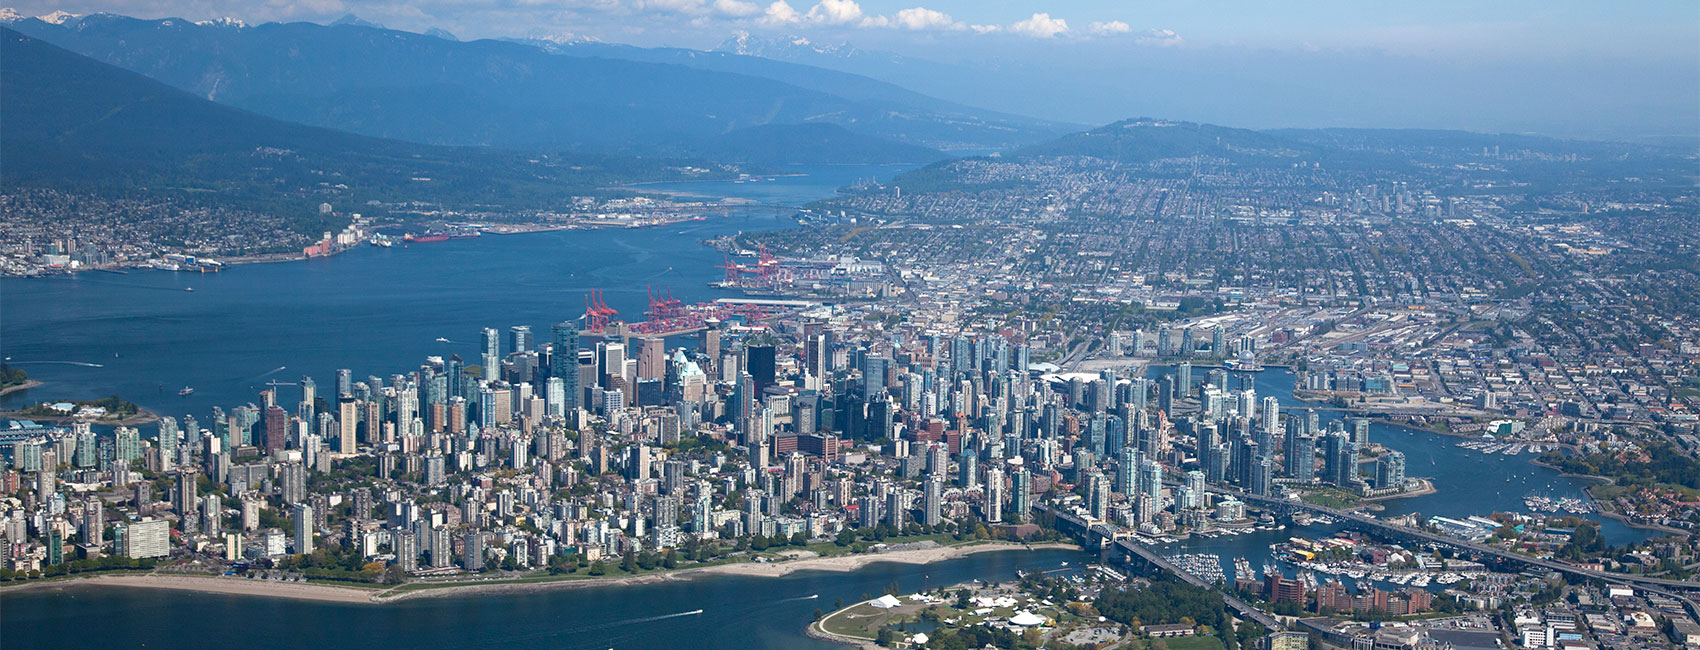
x,y
187,391
191,289
424,239
441,339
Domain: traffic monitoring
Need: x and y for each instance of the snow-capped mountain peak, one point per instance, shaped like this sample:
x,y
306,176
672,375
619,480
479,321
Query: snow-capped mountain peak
x,y
226,21
781,47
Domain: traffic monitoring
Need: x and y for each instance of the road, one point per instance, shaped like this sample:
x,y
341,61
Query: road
x,y
1090,535
1673,588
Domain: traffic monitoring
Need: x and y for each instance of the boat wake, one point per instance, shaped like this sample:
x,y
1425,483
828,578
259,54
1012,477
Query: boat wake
x,y
84,364
646,619
510,641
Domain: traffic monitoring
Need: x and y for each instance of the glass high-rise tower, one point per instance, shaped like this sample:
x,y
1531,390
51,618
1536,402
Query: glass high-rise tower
x,y
563,363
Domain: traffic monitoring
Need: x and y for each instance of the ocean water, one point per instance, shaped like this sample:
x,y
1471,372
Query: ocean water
x,y
738,613
143,336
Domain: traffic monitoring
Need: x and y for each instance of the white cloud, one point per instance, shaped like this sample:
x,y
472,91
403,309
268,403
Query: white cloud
x,y
920,18
1041,25
835,12
736,8
984,29
1160,38
1108,28
672,6
779,13
306,8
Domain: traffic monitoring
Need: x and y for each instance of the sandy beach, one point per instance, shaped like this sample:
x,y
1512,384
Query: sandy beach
x,y
840,563
212,585
353,595
845,563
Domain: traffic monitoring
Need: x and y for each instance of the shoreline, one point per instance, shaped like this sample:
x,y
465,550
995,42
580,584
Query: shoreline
x,y
1426,489
380,594
1601,510
502,228
142,416
1599,506
207,584
28,384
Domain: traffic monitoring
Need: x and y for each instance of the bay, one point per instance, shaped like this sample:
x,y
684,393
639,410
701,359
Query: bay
x,y
143,335
739,613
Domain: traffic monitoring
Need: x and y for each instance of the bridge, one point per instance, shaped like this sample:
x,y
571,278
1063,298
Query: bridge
x,y
1127,550
1672,588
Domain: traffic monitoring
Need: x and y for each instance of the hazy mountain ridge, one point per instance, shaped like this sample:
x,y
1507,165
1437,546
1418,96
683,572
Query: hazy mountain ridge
x,y
1146,139
787,144
77,124
1150,148
490,93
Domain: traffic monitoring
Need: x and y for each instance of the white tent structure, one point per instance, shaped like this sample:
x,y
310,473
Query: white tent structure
x,y
1026,619
887,601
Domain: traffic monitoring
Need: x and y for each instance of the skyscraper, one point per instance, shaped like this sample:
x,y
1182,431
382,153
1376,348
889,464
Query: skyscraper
x,y
519,338
563,364
932,506
1021,493
277,428
1262,475
146,538
652,358
1390,470
1340,459
759,362
303,516
873,376
348,420
1301,457
992,508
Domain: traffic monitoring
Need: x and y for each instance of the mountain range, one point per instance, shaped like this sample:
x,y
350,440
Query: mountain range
x,y
579,97
75,124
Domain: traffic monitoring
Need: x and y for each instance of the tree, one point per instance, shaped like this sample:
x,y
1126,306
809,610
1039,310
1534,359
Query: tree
x,y
886,638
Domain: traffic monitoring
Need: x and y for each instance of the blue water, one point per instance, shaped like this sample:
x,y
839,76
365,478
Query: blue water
x,y
739,613
375,311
